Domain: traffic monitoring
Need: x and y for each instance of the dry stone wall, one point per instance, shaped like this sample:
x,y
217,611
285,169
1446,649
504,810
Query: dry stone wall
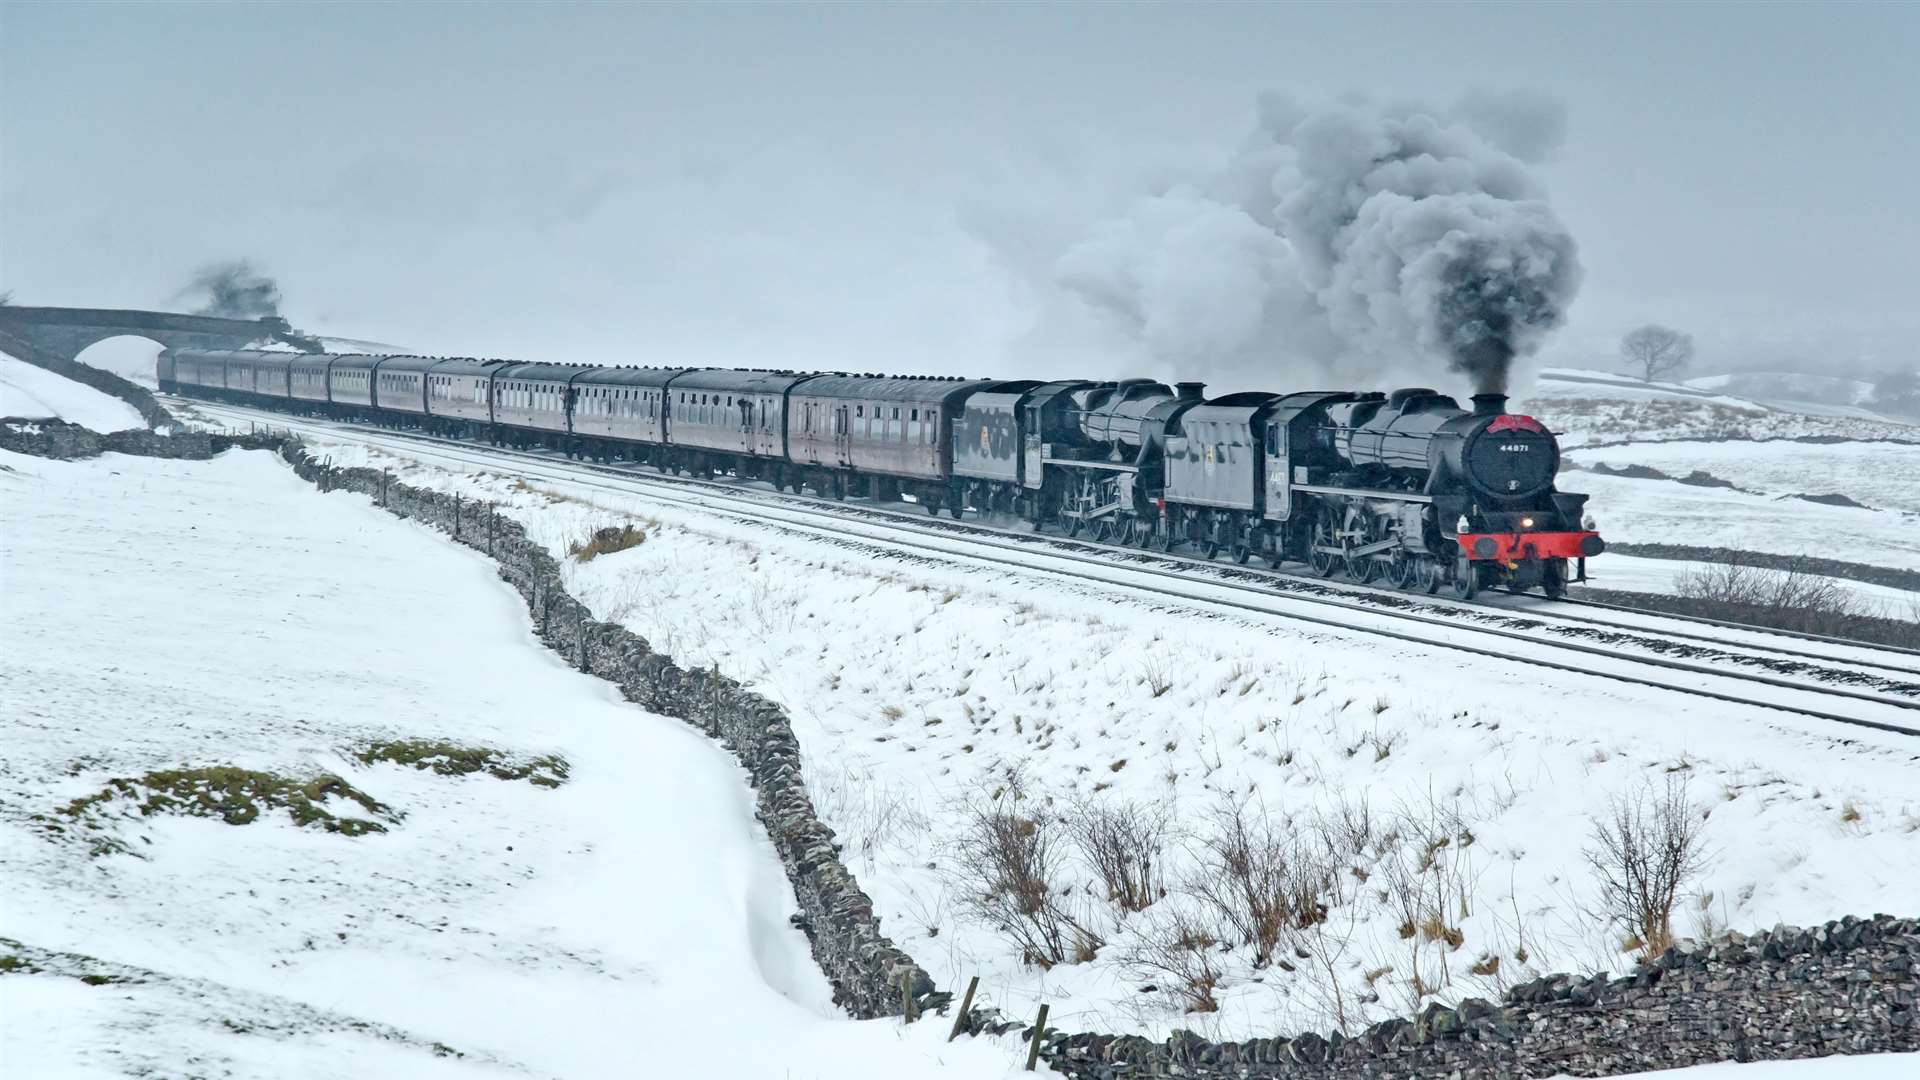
x,y
63,441
871,976
1849,987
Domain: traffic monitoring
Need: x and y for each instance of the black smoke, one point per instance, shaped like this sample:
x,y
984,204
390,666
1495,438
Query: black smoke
x,y
1354,238
233,290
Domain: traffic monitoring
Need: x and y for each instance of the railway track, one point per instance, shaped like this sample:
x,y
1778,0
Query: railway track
x,y
1832,681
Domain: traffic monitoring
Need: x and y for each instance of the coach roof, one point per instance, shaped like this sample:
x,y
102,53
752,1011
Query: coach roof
x,y
539,372
890,388
738,380
629,376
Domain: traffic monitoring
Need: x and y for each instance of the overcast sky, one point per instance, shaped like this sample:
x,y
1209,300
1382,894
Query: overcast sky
x,y
853,185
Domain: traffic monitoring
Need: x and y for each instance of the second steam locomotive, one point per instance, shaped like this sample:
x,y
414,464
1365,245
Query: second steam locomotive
x,y
1408,487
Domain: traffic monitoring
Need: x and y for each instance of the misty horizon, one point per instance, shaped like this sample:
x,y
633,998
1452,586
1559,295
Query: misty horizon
x,y
917,189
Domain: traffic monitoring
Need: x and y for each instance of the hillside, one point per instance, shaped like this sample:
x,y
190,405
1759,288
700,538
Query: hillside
x,y
34,393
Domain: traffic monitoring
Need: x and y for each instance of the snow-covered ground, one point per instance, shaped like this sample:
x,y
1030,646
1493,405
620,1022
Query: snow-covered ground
x,y
1627,573
1597,406
921,688
1885,476
36,393
166,615
1640,511
1677,428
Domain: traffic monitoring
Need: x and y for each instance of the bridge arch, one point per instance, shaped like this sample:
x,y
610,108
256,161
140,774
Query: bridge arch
x,y
132,356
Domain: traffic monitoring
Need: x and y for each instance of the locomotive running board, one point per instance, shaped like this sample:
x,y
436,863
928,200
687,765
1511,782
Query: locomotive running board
x,y
1401,496
1110,466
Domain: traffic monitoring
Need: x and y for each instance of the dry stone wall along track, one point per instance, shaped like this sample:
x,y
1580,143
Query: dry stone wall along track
x,y
871,977
1852,986
1848,987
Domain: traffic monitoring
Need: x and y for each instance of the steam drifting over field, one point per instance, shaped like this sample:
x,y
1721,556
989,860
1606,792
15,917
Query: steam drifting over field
x,y
1356,238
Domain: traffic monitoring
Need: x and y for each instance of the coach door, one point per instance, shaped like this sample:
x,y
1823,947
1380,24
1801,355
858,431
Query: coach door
x,y
842,436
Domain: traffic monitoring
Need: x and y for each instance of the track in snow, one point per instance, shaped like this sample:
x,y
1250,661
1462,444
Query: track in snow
x,y
1841,682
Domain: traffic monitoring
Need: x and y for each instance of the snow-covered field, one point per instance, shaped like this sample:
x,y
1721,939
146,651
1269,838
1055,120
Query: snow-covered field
x,y
1601,407
1677,429
36,393
1884,476
1628,573
179,616
923,689
1631,510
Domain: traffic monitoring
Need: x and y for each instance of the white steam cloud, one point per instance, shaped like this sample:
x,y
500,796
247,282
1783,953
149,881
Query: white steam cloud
x,y
1343,243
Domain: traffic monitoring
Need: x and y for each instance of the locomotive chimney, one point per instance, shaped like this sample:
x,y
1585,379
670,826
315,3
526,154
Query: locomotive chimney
x,y
1190,391
1489,404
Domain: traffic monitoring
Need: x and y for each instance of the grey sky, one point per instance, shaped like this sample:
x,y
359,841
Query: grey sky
x,y
817,186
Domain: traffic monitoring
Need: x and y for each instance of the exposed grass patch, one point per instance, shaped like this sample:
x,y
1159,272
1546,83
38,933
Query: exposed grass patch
x,y
238,797
449,759
607,541
14,965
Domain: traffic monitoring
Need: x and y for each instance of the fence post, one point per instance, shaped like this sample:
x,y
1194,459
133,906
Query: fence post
x,y
906,999
456,516
489,528
580,637
1039,1032
383,487
966,1007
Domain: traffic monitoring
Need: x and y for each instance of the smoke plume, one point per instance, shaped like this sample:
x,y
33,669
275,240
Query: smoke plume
x,y
233,290
1348,241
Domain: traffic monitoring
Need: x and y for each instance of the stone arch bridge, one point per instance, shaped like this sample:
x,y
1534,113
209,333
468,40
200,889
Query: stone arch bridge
x,y
53,338
64,333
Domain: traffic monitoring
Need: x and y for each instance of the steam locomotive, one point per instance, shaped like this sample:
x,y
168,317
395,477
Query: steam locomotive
x,y
1406,486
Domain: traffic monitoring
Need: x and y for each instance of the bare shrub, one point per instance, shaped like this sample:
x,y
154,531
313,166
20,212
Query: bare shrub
x,y
1157,674
1793,598
1261,882
1125,844
1643,852
1427,884
1178,952
1010,865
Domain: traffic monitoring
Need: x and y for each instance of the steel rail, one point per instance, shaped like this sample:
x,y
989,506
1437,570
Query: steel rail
x,y
761,511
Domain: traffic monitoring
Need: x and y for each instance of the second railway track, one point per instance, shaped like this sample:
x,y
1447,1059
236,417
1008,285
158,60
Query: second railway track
x,y
1839,682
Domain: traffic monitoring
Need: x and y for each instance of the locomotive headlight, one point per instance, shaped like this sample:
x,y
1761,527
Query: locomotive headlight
x,y
1526,523
1587,523
1462,525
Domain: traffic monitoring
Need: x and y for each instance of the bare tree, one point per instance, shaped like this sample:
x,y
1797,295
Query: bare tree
x,y
1657,350
1647,848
